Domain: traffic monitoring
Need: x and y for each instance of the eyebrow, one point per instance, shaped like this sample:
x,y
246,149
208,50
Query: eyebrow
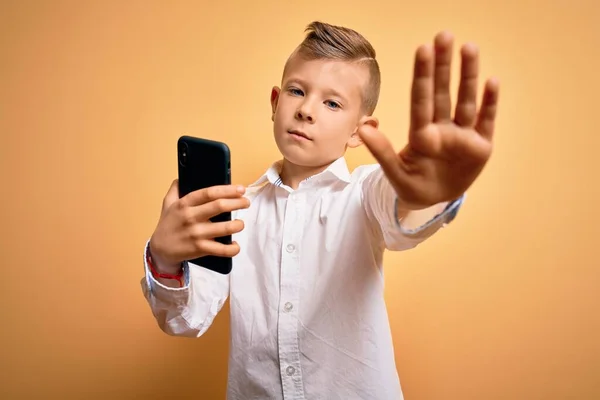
x,y
329,91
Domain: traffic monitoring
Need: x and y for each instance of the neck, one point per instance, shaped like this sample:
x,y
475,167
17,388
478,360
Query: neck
x,y
292,174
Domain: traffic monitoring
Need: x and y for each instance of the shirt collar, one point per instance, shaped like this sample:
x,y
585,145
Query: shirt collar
x,y
338,170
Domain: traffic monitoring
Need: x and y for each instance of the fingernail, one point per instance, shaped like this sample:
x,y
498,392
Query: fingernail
x,y
241,189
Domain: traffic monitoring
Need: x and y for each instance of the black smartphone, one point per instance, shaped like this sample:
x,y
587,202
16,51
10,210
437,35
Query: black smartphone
x,y
204,163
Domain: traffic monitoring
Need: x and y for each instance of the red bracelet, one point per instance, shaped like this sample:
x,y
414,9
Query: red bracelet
x,y
156,274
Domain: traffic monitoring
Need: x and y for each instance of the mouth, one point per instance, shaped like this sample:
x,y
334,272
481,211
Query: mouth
x,y
298,134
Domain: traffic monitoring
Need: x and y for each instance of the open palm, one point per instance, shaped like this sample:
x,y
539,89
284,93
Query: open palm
x,y
445,153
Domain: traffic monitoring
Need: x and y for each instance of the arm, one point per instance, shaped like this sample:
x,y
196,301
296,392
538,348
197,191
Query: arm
x,y
188,310
185,232
445,152
402,229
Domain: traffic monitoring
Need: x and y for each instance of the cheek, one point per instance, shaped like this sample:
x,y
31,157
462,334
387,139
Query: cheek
x,y
284,108
280,112
339,127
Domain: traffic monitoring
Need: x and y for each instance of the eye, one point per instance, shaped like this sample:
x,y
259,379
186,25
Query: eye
x,y
332,104
295,92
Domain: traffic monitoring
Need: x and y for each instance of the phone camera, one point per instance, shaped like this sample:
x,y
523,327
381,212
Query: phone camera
x,y
183,153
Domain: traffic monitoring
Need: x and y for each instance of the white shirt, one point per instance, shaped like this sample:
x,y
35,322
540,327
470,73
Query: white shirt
x,y
308,316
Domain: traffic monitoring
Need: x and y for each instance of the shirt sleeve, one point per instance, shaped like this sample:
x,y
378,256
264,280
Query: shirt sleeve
x,y
188,310
381,206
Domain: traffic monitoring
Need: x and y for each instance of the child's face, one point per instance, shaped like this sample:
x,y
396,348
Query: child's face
x,y
318,110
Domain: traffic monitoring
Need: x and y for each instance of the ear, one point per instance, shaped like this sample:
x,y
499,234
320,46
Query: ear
x,y
355,139
274,99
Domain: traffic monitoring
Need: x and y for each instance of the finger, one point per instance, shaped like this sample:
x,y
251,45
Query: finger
x,y
216,229
220,229
443,61
219,206
421,107
381,148
213,248
172,195
487,113
466,106
203,196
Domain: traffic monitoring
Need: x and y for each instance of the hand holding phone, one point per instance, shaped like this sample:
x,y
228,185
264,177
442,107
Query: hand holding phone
x,y
195,224
185,230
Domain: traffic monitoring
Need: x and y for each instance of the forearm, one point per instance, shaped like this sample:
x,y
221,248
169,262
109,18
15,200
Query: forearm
x,y
413,219
188,309
400,228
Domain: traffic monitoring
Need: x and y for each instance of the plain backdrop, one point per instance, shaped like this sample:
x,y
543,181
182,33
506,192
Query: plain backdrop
x,y
502,304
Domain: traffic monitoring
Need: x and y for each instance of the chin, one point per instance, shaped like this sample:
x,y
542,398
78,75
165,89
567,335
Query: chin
x,y
304,157
297,156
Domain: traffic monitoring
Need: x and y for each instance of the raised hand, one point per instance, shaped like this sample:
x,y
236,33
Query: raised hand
x,y
445,153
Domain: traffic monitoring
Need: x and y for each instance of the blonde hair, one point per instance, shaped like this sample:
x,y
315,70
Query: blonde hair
x,y
326,41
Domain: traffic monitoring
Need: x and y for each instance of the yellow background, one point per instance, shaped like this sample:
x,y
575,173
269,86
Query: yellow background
x,y
93,96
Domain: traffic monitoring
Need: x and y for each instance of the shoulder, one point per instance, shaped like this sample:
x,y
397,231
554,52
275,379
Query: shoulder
x,y
252,192
362,172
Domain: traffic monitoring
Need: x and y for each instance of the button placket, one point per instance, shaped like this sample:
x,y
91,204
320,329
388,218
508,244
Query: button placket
x,y
289,354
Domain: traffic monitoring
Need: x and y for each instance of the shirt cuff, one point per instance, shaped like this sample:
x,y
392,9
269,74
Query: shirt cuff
x,y
443,218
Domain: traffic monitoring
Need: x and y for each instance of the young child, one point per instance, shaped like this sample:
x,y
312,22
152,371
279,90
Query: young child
x,y
308,316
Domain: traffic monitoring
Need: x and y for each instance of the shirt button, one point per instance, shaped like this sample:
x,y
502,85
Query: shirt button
x,y
290,370
288,306
290,248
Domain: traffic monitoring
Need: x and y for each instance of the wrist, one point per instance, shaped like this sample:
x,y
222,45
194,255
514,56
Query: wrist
x,y
403,207
164,277
160,265
163,267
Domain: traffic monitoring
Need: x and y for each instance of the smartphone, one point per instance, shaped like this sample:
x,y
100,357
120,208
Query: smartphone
x,y
204,163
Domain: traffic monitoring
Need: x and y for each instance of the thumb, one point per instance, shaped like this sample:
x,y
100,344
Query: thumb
x,y
172,195
381,148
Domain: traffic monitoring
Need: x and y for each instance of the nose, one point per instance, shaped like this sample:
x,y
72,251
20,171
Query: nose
x,y
305,112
